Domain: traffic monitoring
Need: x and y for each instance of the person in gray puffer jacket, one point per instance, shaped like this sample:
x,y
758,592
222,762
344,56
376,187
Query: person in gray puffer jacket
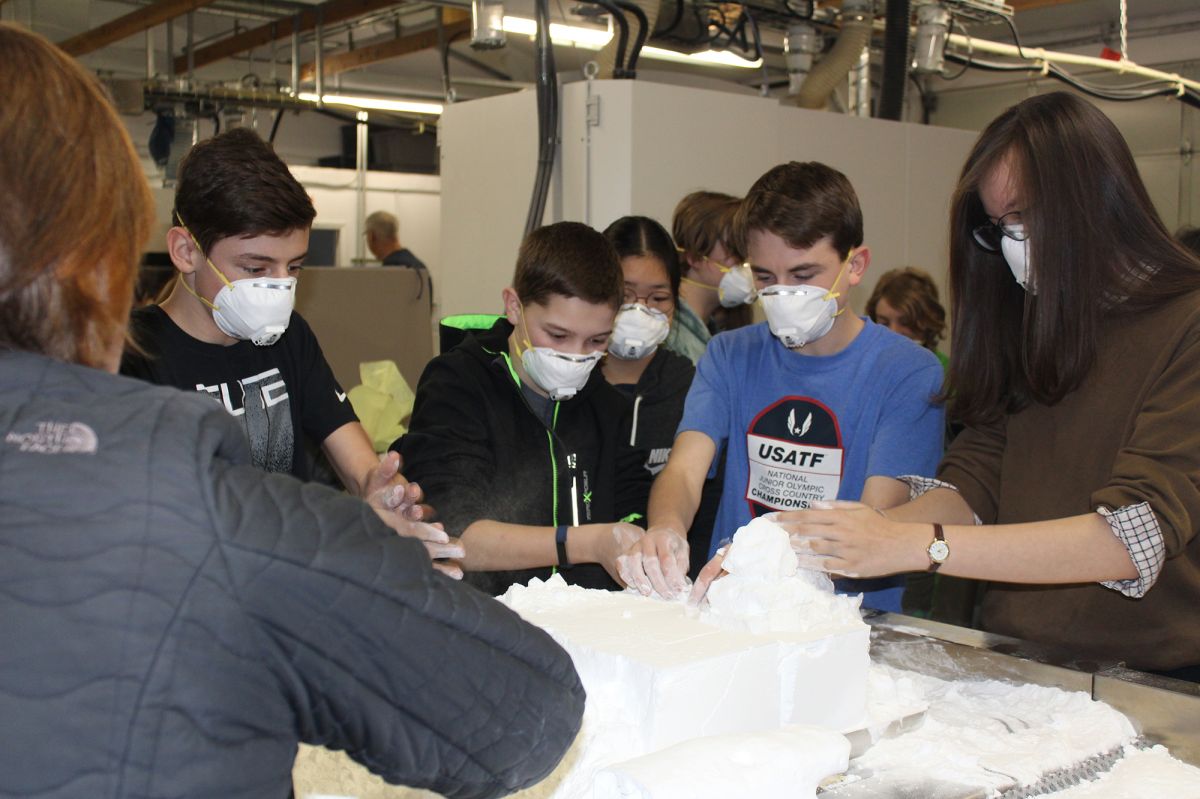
x,y
172,620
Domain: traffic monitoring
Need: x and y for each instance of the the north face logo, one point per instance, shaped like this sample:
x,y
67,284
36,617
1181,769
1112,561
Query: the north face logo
x,y
56,438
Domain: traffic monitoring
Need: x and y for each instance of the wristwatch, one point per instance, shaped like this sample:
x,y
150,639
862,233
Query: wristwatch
x,y
938,550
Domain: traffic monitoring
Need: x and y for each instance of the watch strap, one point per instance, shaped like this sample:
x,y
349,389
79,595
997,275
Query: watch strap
x,y
560,542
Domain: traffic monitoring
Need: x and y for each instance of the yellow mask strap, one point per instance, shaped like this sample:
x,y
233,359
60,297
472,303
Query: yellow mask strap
x,y
697,283
207,260
833,295
524,324
717,264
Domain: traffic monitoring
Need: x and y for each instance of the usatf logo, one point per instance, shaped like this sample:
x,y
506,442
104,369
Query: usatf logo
x,y
56,438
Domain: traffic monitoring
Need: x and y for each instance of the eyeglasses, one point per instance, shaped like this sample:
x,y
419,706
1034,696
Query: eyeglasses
x,y
990,234
655,299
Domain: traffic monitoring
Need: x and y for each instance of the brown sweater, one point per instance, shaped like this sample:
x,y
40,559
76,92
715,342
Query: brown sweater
x,y
1129,434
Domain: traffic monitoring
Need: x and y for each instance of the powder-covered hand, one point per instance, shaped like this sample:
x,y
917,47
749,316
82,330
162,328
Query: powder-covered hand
x,y
387,491
657,563
712,570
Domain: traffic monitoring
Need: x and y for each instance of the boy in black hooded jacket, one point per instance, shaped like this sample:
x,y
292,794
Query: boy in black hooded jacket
x,y
516,438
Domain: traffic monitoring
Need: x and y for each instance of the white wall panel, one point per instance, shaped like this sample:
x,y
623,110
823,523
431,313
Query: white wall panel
x,y
489,157
656,143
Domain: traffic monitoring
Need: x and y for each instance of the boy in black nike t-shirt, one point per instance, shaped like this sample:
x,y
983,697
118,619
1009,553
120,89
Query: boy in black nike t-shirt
x,y
227,328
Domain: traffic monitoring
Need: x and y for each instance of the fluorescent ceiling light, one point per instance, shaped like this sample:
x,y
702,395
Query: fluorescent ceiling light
x,y
375,103
595,38
587,38
721,58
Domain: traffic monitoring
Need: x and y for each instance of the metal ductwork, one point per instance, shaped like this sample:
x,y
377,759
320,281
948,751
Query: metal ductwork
x,y
487,24
801,45
933,25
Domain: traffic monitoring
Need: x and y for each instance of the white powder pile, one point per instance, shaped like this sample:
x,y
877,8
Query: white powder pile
x,y
994,735
765,592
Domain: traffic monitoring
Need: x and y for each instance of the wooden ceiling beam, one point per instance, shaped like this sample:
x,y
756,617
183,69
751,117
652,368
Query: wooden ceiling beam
x,y
331,13
454,22
123,27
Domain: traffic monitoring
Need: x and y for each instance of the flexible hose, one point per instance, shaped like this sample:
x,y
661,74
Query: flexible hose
x,y
895,60
834,67
622,26
547,103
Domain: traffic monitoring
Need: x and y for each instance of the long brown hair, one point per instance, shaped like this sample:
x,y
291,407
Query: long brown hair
x,y
1097,247
75,209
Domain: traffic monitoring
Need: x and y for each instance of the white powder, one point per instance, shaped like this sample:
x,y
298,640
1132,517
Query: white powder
x,y
994,735
764,591
786,762
776,648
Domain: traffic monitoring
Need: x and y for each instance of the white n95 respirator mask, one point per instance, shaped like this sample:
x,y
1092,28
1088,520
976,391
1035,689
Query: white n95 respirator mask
x,y
255,309
798,315
559,374
1016,255
637,332
736,286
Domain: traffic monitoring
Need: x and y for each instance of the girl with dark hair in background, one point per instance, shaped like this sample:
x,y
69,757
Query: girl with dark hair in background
x,y
1075,363
654,378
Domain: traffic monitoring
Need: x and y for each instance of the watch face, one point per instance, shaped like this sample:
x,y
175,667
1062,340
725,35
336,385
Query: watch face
x,y
939,551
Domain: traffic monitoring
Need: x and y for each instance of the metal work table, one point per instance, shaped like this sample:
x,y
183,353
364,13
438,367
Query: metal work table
x,y
1164,711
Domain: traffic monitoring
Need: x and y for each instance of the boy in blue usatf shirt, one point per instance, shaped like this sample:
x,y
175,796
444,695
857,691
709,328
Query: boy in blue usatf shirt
x,y
815,404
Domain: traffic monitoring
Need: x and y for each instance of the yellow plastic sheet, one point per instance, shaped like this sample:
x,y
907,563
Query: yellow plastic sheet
x,y
383,402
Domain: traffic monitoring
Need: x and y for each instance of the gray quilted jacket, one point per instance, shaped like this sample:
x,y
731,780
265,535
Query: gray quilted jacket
x,y
173,621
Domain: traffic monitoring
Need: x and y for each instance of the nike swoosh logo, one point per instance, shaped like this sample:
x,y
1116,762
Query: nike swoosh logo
x,y
656,468
341,395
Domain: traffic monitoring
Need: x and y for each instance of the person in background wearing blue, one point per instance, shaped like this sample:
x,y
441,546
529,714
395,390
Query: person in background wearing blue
x,y
815,404
655,379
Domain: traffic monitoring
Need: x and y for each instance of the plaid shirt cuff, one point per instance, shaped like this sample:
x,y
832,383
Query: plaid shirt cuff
x,y
1138,529
920,485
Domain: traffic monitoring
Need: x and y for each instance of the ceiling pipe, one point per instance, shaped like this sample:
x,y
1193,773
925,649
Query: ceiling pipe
x,y
895,60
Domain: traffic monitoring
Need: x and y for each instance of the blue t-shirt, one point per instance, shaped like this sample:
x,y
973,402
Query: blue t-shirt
x,y
797,428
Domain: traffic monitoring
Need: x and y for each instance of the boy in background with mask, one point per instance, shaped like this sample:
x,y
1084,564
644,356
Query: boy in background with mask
x,y
517,438
228,328
817,404
716,288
